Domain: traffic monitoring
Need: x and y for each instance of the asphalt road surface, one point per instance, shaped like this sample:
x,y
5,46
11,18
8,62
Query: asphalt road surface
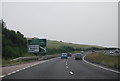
x,y
63,69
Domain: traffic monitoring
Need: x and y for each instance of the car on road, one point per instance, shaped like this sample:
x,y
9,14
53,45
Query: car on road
x,y
69,54
111,52
64,55
117,51
82,52
78,56
93,50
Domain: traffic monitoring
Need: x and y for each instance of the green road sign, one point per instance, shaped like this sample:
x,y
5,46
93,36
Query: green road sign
x,y
36,45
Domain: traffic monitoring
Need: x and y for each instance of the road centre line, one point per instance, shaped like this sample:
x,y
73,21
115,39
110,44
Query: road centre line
x,y
71,72
66,64
67,67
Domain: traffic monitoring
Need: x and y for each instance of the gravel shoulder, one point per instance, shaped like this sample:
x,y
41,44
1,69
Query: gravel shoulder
x,y
9,69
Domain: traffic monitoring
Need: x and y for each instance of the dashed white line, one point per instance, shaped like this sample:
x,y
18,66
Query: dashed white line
x,y
9,73
25,68
100,66
71,72
2,76
67,67
22,68
13,72
66,64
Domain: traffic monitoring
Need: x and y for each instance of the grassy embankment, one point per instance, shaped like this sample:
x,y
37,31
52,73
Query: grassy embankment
x,y
57,47
9,62
56,44
106,60
50,45
14,45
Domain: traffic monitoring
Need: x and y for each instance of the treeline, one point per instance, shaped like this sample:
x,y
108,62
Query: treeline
x,y
70,49
60,50
14,44
112,48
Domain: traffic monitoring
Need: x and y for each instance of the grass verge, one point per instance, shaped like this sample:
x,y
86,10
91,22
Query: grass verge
x,y
106,60
8,62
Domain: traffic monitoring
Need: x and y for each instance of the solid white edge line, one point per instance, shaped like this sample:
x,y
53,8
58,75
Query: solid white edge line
x,y
100,66
25,68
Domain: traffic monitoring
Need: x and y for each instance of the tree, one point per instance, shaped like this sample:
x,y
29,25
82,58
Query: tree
x,y
14,44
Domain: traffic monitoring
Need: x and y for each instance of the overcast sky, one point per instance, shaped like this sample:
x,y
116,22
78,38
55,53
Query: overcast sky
x,y
93,23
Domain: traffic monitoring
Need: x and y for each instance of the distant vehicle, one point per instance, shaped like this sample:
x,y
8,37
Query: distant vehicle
x,y
111,52
93,50
117,51
64,55
82,52
78,56
69,54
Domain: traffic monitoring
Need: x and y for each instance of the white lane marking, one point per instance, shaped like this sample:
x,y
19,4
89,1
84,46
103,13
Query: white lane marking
x,y
2,76
71,72
13,72
100,66
67,67
66,64
9,73
25,68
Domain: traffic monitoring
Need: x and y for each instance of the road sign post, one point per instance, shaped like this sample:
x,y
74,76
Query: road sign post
x,y
38,46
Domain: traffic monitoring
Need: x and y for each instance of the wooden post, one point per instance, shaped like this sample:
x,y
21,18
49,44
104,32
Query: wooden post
x,y
40,56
